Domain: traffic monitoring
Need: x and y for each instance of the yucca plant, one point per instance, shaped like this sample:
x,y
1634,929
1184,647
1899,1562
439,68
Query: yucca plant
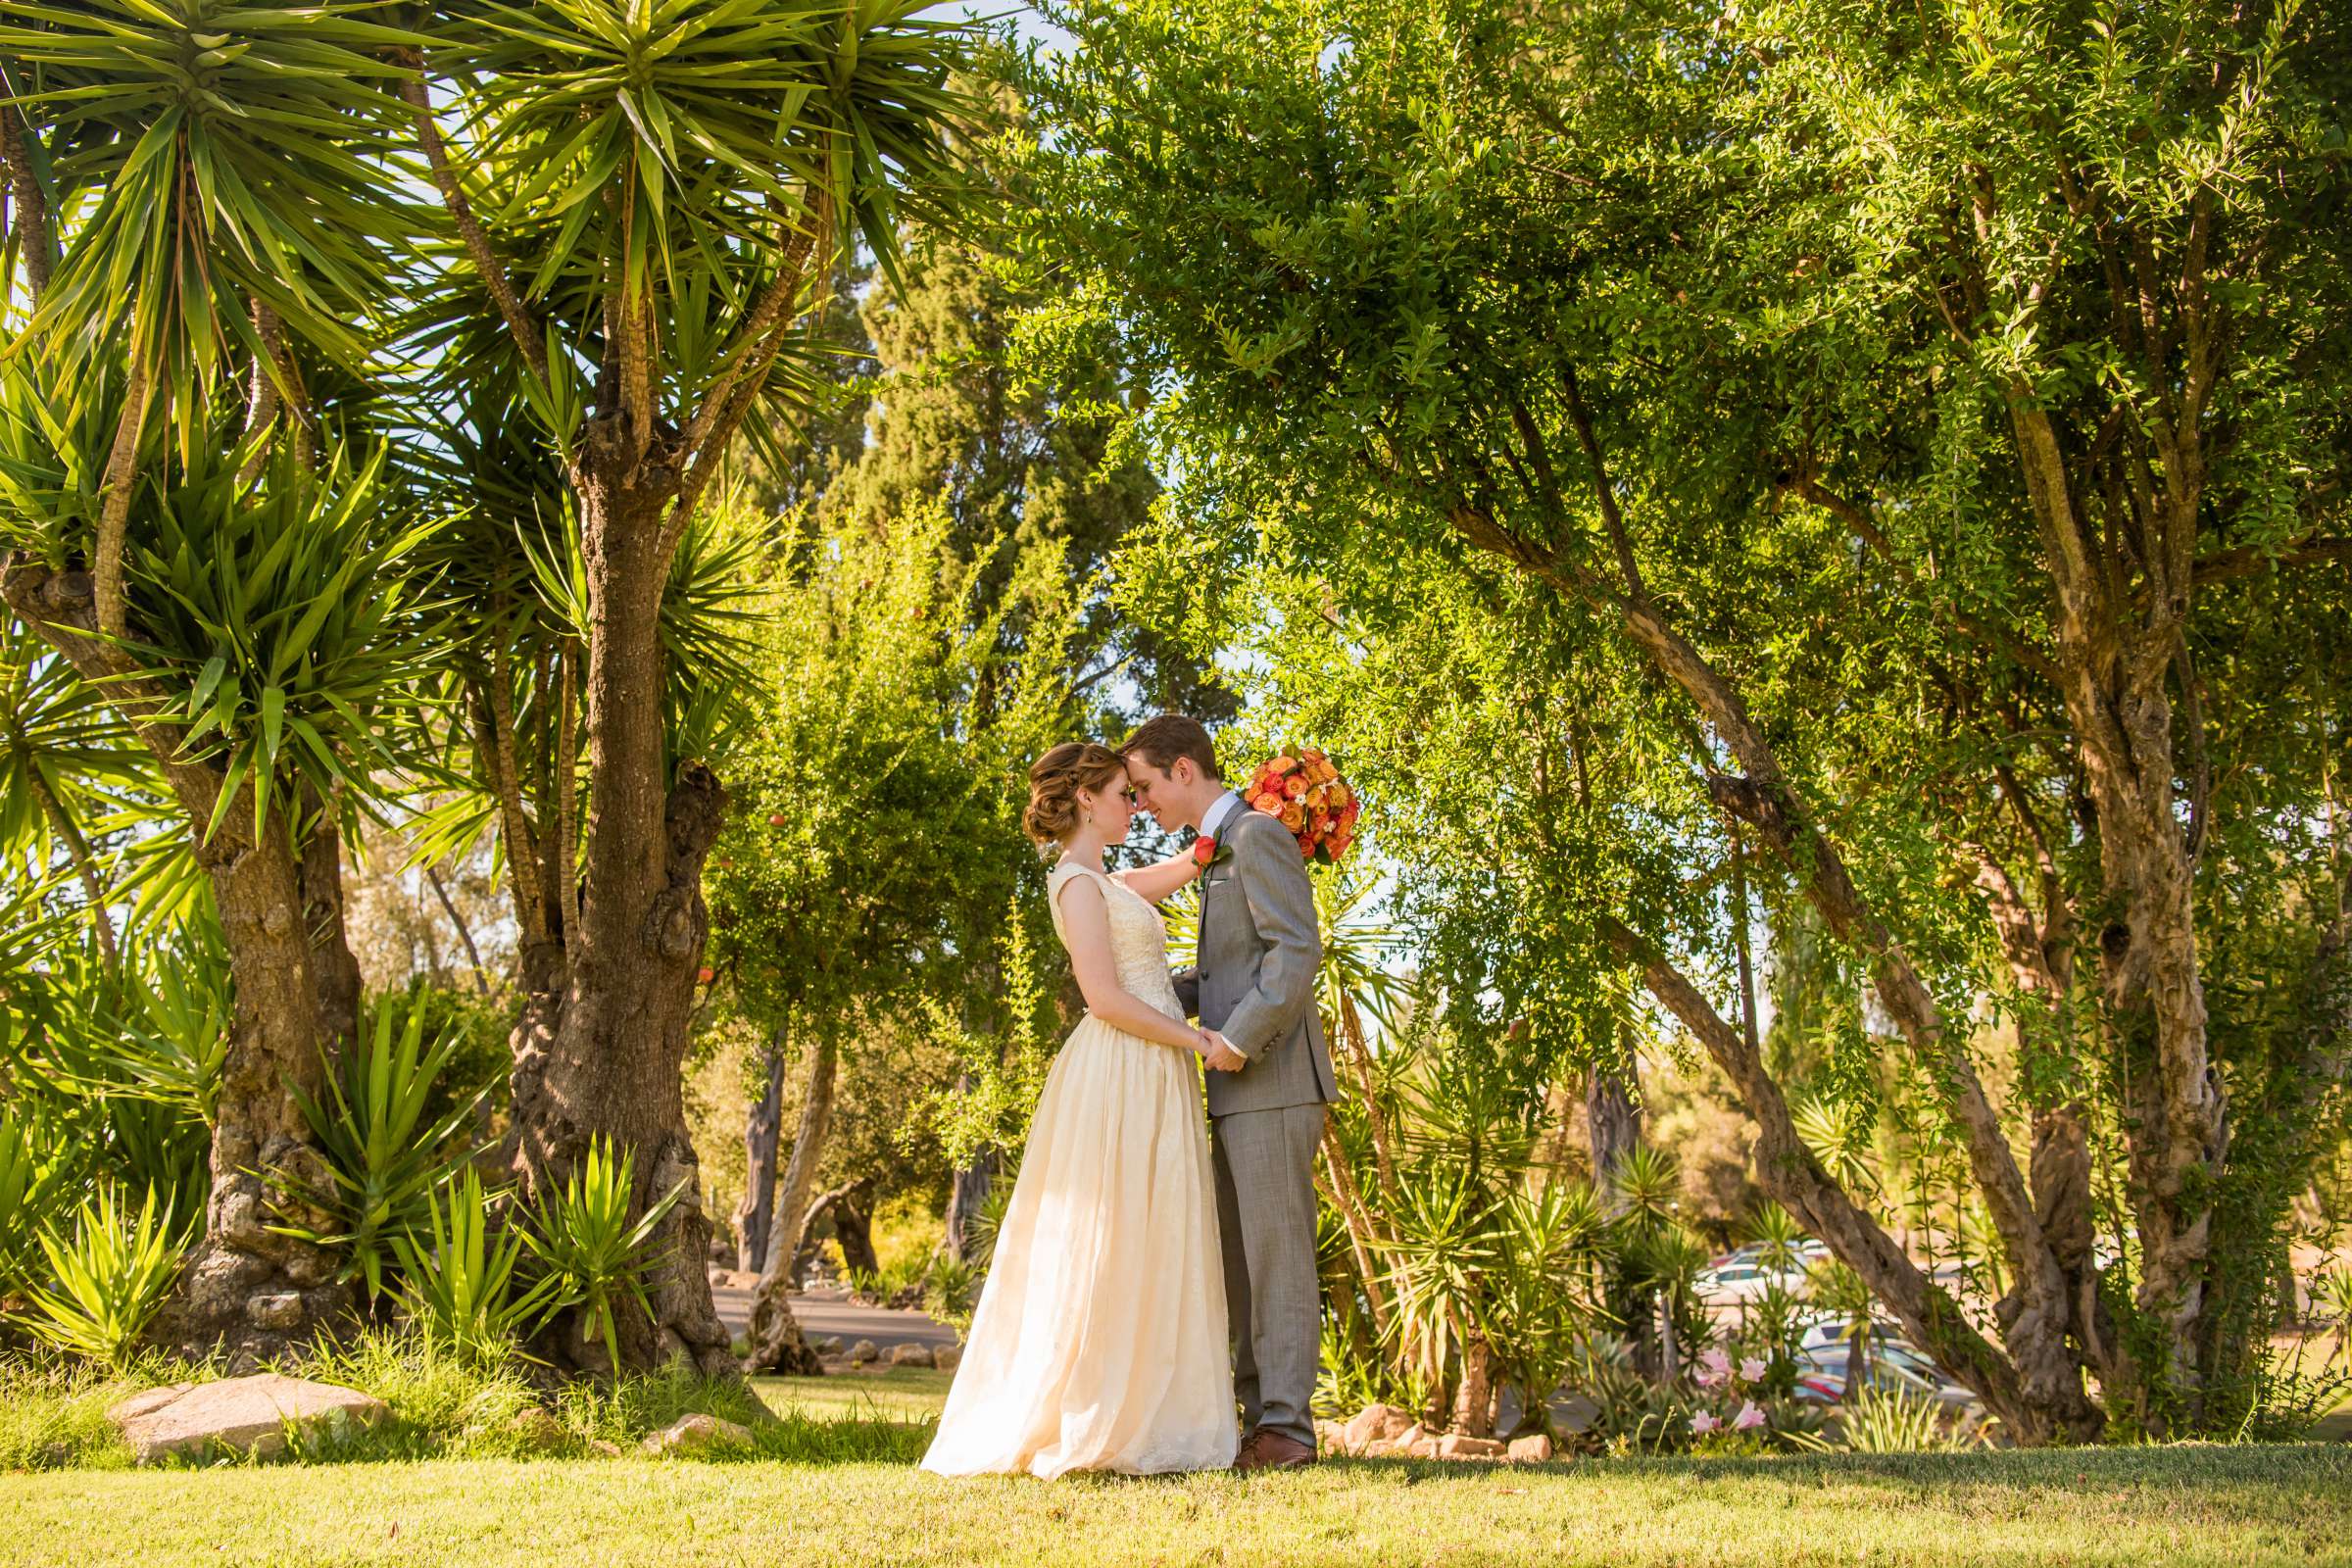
x,y
594,1250
32,1168
106,1279
300,622
384,1158
457,1279
1890,1421
2331,1303
1537,1306
651,199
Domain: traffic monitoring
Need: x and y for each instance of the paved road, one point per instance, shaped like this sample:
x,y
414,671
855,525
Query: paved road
x,y
831,1311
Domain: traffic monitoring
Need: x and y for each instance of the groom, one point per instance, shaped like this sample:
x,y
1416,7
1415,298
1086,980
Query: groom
x,y
1254,992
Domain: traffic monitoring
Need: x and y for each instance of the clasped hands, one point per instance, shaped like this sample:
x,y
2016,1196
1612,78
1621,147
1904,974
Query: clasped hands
x,y
1218,1051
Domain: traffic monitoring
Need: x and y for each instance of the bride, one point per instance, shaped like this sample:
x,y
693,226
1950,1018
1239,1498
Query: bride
x,y
1099,1342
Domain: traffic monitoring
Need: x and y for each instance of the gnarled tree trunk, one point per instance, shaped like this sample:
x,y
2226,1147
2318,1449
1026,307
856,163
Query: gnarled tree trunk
x,y
244,1291
604,1055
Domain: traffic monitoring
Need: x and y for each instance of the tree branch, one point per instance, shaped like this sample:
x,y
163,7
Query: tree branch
x,y
2247,560
518,318
758,343
31,203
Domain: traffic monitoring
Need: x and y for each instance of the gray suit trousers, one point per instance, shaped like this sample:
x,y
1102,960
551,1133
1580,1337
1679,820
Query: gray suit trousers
x,y
1266,1217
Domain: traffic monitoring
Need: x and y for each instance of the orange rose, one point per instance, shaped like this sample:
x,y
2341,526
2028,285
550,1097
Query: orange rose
x,y
1293,818
1295,788
1269,801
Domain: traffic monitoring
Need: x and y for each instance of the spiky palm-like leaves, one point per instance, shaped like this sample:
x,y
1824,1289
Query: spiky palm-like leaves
x,y
227,150
594,1249
110,1277
459,1276
384,1159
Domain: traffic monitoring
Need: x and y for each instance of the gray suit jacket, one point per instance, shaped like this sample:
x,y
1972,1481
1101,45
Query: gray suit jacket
x,y
1256,982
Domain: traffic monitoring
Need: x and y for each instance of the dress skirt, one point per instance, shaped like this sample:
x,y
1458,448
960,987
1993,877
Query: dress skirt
x,y
1099,1342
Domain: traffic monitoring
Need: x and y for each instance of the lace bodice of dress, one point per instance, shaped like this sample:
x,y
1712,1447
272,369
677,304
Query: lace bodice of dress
x,y
1139,938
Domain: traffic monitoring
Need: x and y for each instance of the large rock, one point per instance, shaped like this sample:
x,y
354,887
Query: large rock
x,y
948,1357
249,1415
1375,1424
863,1351
1454,1446
698,1434
910,1355
538,1429
1534,1448
1416,1442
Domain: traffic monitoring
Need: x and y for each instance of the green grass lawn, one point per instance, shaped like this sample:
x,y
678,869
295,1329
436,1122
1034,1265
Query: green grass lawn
x,y
2170,1506
905,1394
385,1505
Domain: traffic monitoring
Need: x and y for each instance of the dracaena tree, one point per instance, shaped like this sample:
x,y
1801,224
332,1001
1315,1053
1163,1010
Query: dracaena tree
x,y
647,200
203,527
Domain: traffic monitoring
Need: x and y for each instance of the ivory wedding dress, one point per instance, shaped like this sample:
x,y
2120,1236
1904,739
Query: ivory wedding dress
x,y
1099,1341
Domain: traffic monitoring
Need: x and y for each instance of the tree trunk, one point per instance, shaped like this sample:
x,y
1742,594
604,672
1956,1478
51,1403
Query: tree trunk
x,y
1474,1400
967,1195
854,1228
606,1059
2112,671
761,1129
244,1291
847,1208
1616,1129
774,1330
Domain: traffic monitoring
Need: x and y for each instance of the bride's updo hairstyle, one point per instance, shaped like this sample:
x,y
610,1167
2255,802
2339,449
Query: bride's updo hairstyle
x,y
1054,780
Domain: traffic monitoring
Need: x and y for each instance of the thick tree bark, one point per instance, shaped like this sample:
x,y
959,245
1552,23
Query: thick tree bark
x,y
244,1292
854,1228
607,1062
1474,1398
773,1330
763,1129
2114,664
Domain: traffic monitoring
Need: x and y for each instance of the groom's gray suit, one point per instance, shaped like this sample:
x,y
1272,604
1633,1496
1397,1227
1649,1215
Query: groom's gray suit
x,y
1255,985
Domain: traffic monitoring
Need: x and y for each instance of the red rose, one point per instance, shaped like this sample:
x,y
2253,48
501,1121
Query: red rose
x,y
1204,850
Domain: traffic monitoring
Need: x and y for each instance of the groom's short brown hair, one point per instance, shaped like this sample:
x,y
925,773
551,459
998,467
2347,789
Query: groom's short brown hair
x,y
1164,739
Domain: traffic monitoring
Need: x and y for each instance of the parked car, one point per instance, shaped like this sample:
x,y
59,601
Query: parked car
x,y
1807,1252
1828,1329
1900,1372
1727,1289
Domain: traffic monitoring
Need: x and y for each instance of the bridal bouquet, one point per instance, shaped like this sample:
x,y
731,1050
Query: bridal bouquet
x,y
1299,786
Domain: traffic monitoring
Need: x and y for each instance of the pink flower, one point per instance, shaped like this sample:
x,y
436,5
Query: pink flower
x,y
1704,1422
1749,1417
1713,1368
1751,1370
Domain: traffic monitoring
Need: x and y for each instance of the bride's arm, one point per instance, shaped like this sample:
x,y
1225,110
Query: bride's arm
x,y
1161,878
1085,927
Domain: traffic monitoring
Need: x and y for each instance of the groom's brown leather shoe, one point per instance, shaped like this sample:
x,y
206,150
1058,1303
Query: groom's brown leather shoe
x,y
1263,1450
